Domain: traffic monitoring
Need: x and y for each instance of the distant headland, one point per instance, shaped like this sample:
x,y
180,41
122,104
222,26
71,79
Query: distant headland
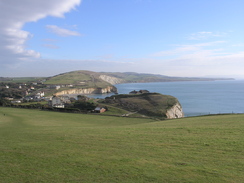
x,y
85,82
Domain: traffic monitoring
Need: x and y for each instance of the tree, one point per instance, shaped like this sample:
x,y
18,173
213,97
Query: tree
x,y
84,105
4,102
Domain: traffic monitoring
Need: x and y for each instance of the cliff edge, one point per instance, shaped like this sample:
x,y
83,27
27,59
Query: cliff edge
x,y
108,89
111,80
175,111
148,104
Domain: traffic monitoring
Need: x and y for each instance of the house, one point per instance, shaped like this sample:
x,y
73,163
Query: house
x,y
59,101
28,98
56,102
54,87
40,94
99,110
65,99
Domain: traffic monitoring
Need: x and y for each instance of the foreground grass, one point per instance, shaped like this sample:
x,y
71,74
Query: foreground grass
x,y
39,146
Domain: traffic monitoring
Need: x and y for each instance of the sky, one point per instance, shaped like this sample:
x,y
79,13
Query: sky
x,y
186,38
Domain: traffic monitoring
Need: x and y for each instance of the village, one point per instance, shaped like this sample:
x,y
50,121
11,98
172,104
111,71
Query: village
x,y
33,94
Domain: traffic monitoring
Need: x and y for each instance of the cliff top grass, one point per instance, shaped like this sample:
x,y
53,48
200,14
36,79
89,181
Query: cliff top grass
x,y
149,104
40,146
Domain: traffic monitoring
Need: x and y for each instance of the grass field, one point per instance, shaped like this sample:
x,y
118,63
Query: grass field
x,y
41,146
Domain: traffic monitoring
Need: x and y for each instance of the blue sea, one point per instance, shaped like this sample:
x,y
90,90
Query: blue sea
x,y
197,97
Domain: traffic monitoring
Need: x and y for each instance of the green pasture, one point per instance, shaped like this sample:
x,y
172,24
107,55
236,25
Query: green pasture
x,y
42,146
68,78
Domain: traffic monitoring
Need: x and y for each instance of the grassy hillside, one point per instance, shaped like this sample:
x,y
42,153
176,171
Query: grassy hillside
x,y
149,104
90,78
39,146
132,77
82,78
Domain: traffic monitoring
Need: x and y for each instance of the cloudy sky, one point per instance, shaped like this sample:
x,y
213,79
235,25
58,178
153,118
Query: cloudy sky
x,y
169,37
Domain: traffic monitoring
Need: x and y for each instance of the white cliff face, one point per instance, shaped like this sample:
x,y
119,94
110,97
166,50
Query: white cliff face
x,y
111,80
175,112
108,89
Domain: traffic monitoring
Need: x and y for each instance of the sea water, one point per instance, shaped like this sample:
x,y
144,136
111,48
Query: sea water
x,y
196,97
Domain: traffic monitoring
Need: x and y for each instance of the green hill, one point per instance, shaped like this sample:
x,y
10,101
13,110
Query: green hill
x,y
149,104
85,79
39,146
89,78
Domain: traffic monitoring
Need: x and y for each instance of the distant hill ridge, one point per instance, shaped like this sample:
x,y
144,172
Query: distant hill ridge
x,y
101,79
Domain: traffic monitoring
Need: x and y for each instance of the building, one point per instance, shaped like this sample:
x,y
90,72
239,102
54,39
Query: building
x,y
40,94
54,87
99,110
59,102
56,102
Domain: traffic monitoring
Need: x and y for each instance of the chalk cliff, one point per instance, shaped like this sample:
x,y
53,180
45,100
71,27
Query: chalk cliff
x,y
108,89
111,80
148,104
175,112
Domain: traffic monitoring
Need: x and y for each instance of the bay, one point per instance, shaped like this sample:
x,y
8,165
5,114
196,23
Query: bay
x,y
196,97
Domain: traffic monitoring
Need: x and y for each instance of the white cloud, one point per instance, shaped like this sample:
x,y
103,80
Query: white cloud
x,y
14,14
62,32
200,59
51,46
185,49
205,35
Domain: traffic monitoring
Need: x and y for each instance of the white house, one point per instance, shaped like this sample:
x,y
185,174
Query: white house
x,y
57,102
41,94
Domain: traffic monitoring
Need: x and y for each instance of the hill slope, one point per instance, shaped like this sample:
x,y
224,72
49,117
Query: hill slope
x,y
90,79
78,78
80,82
